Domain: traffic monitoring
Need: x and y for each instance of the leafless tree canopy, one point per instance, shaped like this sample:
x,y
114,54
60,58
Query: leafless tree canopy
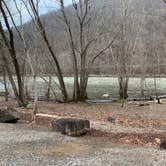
x,y
118,37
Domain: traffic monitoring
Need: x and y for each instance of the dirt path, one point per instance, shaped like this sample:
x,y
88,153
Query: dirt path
x,y
131,140
20,145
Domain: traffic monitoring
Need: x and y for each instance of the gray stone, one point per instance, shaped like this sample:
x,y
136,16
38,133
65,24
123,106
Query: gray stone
x,y
30,106
111,119
163,145
71,127
8,115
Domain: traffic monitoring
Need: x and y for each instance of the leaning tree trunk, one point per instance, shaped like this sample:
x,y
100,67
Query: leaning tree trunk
x,y
9,43
14,87
45,38
20,84
59,71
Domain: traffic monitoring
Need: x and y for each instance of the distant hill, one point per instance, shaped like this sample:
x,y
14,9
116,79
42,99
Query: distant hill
x,y
154,10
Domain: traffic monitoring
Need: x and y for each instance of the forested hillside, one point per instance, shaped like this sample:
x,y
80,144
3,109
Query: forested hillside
x,y
144,36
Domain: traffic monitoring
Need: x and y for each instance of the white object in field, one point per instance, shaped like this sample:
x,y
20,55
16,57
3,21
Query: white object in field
x,y
160,101
156,101
106,95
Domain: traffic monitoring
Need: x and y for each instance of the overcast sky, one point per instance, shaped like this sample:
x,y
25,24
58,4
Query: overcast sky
x,y
45,6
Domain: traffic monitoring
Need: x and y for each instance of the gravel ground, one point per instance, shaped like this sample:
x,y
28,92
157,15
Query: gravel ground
x,y
20,145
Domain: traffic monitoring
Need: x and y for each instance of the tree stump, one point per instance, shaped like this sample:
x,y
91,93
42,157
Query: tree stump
x,y
8,115
71,127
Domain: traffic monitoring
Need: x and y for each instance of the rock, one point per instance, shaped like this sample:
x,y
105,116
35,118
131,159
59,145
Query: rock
x,y
71,127
30,106
163,145
111,119
8,115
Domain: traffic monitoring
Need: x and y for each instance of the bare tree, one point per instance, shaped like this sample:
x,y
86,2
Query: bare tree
x,y
124,48
81,41
10,45
36,18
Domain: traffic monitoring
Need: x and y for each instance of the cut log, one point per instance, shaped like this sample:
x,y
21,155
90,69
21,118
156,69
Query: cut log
x,y
8,115
71,127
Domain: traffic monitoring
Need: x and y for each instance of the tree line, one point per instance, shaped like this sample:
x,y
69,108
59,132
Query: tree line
x,y
122,34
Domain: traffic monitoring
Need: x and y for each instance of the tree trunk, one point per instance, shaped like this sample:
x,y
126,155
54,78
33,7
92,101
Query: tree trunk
x,y
22,102
76,91
83,85
14,87
5,85
44,36
142,82
49,88
9,43
123,87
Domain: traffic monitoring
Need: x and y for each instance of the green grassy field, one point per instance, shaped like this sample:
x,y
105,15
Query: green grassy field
x,y
97,86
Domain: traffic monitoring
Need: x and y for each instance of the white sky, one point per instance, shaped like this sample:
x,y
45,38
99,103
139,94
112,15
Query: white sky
x,y
45,6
